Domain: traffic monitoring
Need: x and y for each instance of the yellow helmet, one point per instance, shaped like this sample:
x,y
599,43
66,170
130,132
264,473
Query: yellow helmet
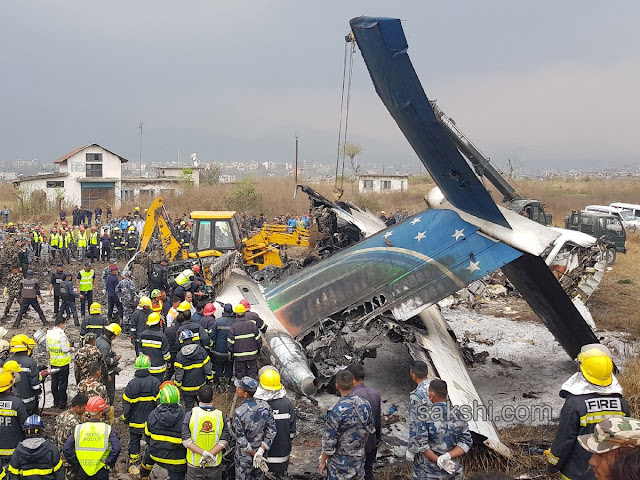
x,y
114,328
11,366
239,309
19,343
31,344
184,307
596,365
153,319
10,224
145,302
6,381
270,380
95,308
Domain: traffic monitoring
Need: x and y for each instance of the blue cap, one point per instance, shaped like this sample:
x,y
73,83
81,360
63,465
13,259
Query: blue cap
x,y
247,383
228,308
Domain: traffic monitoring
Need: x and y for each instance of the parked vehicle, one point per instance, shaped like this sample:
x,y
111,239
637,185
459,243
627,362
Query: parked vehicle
x,y
628,219
632,207
604,226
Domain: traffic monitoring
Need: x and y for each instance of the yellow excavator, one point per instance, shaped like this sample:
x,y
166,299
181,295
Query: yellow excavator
x,y
214,233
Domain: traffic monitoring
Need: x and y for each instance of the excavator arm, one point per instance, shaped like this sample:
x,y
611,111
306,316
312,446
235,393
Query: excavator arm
x,y
263,248
157,217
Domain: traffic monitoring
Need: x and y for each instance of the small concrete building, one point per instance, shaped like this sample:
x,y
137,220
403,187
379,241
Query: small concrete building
x,y
380,183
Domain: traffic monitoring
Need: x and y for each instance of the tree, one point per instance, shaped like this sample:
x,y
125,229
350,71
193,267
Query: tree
x,y
244,197
186,176
352,150
211,173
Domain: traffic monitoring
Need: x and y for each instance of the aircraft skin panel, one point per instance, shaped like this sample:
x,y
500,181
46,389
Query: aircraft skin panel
x,y
419,261
384,49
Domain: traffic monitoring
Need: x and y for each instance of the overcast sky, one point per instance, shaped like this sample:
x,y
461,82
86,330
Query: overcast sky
x,y
553,84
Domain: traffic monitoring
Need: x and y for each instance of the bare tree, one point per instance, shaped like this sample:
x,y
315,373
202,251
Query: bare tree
x,y
352,150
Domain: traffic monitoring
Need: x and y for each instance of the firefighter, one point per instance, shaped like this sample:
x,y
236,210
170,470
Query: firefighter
x,y
164,432
93,445
36,457
139,400
30,293
109,358
244,343
186,323
29,387
591,394
139,321
117,242
223,365
155,345
95,322
131,241
12,417
254,317
182,282
192,367
156,301
86,281
60,357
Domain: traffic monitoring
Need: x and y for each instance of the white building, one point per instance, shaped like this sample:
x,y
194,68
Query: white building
x,y
376,183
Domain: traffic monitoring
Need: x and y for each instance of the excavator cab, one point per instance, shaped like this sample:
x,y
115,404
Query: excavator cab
x,y
214,230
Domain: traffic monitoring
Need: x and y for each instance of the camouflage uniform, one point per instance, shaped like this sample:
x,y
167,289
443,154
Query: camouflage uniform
x,y
92,387
126,291
344,437
64,426
255,427
418,399
14,285
442,432
85,357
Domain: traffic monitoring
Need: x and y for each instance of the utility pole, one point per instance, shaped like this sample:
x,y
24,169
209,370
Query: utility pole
x,y
140,159
295,174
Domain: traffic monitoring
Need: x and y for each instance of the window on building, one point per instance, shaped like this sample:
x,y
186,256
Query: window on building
x,y
94,157
54,184
127,195
94,170
367,184
146,193
385,184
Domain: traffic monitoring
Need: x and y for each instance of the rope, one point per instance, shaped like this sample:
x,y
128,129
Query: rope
x,y
346,121
344,112
344,74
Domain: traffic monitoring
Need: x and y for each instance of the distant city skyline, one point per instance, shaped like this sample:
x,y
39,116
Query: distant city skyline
x,y
551,84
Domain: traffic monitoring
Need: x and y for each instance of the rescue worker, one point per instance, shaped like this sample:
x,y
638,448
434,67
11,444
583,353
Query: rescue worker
x,y
254,317
182,282
244,343
117,242
86,280
172,313
156,301
139,400
36,457
14,286
105,245
112,296
105,274
418,400
192,368
28,388
82,242
208,318
223,364
93,446
255,430
55,281
64,244
12,417
92,386
164,436
155,345
372,396
68,297
441,440
36,240
95,322
205,445
345,433
139,321
174,345
109,358
65,424
59,357
159,277
270,390
186,323
590,394
93,244
126,292
54,239
131,241
30,293
85,356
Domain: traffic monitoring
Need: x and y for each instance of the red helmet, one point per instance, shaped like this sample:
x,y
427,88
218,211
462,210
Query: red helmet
x,y
246,304
96,404
196,268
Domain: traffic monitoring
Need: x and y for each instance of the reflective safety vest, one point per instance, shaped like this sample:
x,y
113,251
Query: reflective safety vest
x,y
92,446
93,240
64,240
53,239
86,280
157,308
37,238
82,240
57,357
206,428
183,277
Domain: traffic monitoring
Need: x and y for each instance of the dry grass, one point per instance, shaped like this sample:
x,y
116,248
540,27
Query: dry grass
x,y
630,381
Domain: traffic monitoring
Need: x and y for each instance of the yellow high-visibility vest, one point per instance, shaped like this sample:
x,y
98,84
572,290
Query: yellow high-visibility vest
x,y
57,357
82,240
93,240
53,239
92,446
206,428
86,280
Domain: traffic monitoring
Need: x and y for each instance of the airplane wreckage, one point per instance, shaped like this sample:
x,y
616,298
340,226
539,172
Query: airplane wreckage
x,y
388,280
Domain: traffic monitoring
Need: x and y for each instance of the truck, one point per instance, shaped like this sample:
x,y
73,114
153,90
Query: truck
x,y
606,227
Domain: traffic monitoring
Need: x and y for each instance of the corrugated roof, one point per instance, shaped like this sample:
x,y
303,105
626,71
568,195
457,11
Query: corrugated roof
x,y
79,149
40,176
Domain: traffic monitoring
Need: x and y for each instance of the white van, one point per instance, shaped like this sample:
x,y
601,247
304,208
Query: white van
x,y
634,208
628,219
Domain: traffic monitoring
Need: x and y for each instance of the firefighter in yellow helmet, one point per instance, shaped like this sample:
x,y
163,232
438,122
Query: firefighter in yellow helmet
x,y
591,394
139,321
29,386
12,417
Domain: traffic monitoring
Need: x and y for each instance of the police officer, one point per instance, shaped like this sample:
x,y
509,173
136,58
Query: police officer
x,y
12,417
418,399
192,367
65,424
68,297
93,445
155,345
36,457
223,365
205,433
164,432
95,322
346,428
159,278
14,286
270,390
86,280
30,293
139,321
29,387
55,281
85,356
109,358
126,292
111,285
139,400
590,395
244,343
255,430
60,357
